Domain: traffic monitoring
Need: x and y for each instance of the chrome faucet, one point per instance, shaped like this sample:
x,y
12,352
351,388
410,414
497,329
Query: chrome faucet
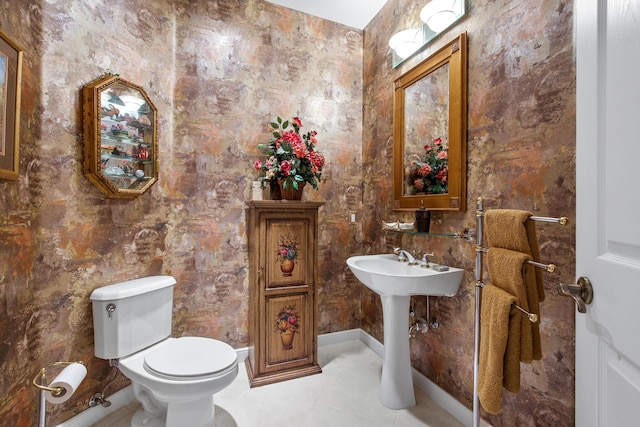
x,y
424,262
405,256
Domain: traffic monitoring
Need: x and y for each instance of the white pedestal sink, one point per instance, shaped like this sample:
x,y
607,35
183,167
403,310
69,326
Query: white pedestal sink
x,y
396,282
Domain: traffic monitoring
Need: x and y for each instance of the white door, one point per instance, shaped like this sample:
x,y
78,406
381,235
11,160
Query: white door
x,y
608,212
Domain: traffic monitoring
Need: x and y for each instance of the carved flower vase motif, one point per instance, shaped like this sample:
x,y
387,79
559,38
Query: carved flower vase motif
x,y
287,339
286,324
287,266
286,253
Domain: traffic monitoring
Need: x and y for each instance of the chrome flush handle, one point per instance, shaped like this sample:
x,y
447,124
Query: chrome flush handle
x,y
111,307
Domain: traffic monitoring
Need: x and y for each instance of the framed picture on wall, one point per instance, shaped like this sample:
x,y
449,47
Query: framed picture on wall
x,y
10,76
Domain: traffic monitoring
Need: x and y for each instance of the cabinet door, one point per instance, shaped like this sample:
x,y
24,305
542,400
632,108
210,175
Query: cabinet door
x,y
288,328
289,252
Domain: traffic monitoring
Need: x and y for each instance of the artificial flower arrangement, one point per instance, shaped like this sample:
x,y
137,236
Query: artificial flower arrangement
x,y
287,320
287,249
290,156
429,174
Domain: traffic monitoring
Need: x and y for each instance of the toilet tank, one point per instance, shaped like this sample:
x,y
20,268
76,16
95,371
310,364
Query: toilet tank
x,y
132,315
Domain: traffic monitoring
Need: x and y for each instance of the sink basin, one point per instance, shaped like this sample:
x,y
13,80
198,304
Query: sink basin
x,y
396,282
385,275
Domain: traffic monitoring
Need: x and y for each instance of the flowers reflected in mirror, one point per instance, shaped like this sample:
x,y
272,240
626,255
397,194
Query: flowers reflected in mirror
x,y
428,173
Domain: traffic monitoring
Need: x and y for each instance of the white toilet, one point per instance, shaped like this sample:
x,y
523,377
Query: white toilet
x,y
174,378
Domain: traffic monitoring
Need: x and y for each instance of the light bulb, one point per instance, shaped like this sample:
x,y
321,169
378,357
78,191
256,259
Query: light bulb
x,y
404,50
439,14
406,42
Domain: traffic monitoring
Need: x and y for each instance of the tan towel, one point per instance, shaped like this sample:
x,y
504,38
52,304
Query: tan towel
x,y
511,229
530,275
532,237
511,363
495,320
510,272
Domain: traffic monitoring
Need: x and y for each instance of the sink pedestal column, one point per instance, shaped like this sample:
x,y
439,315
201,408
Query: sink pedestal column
x,y
396,384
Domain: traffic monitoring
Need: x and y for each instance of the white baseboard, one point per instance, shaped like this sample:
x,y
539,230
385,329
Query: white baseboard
x,y
338,337
91,416
372,343
431,389
443,399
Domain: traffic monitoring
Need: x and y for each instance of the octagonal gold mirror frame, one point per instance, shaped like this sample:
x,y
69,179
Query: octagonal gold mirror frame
x,y
120,137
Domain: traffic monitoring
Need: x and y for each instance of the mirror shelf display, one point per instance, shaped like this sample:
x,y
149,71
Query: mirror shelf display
x,y
429,132
120,151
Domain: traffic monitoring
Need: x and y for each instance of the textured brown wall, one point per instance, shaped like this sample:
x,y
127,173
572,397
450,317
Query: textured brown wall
x,y
218,71
521,155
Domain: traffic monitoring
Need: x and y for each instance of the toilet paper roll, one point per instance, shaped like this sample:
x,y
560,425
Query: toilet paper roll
x,y
69,379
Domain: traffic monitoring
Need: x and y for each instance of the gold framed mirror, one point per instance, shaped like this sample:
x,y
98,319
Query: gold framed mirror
x,y
120,141
430,132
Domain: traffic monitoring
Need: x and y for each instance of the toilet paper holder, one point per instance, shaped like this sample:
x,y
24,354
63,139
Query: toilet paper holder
x,y
41,377
40,381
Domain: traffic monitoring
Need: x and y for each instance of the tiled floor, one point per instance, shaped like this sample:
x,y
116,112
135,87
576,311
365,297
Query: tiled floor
x,y
344,394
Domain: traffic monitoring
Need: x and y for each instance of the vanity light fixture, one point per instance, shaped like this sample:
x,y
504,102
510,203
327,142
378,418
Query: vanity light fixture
x,y
436,17
439,14
406,42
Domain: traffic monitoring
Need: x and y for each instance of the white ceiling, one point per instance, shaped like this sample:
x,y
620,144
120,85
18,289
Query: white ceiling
x,y
354,13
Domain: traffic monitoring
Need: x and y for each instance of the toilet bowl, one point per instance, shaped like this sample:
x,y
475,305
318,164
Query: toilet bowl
x,y
179,376
174,378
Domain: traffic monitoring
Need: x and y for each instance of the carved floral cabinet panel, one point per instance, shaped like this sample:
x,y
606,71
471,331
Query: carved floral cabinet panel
x,y
283,274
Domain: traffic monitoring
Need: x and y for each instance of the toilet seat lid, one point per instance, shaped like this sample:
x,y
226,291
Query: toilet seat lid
x,y
190,357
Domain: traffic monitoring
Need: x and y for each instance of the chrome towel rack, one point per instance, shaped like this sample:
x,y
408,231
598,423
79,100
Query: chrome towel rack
x,y
563,220
551,268
548,267
480,250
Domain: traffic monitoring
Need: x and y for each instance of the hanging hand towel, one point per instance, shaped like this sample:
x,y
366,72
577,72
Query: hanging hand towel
x,y
510,272
495,319
511,229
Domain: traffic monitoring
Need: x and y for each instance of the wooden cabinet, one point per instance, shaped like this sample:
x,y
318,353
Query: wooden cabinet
x,y
283,272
